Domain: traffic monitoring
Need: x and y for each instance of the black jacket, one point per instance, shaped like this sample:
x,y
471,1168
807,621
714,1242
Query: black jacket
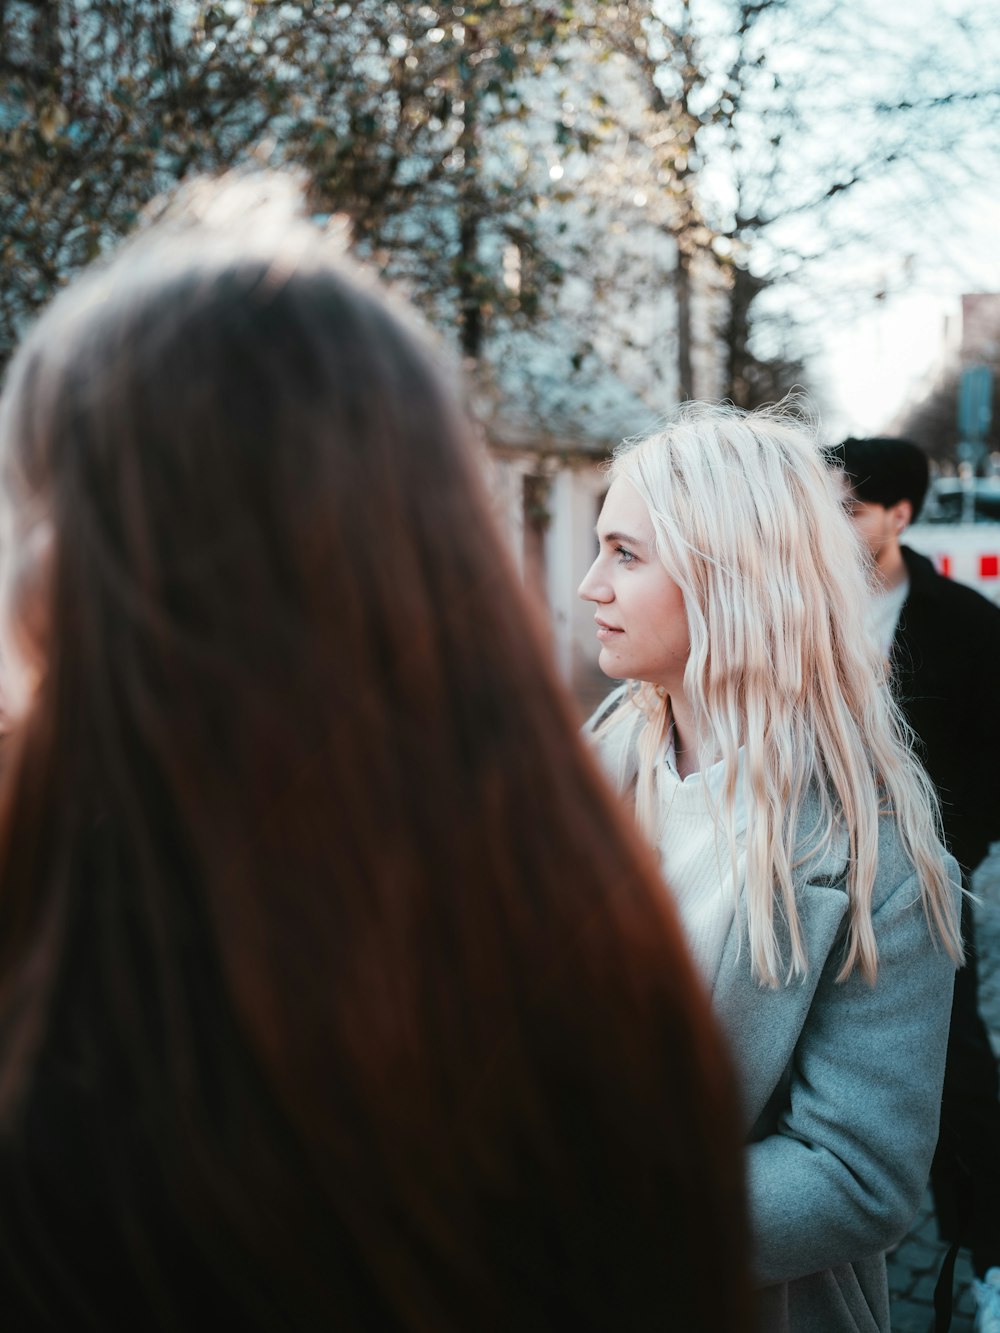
x,y
946,667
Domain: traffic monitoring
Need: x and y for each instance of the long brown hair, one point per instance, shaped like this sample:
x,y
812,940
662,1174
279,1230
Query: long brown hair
x,y
301,859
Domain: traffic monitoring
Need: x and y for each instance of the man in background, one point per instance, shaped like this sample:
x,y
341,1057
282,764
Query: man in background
x,y
943,643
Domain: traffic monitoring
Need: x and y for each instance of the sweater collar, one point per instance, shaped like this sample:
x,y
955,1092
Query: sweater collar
x,y
710,782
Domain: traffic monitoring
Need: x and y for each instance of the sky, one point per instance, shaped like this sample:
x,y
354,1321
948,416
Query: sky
x,y
887,260
873,365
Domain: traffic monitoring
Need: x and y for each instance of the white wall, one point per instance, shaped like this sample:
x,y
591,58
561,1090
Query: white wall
x,y
576,486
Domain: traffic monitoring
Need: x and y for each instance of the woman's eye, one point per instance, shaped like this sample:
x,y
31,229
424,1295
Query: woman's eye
x,y
624,557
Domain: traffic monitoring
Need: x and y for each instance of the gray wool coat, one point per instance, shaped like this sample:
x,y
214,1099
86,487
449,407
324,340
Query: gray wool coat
x,y
842,1092
841,1086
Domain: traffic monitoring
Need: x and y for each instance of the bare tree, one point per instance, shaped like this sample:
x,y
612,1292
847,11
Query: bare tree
x,y
106,102
798,136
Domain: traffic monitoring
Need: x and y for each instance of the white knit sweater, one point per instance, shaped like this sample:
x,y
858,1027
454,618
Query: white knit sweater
x,y
696,857
693,841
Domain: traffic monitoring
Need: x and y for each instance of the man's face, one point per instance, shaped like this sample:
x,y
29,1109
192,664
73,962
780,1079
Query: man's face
x,y
879,526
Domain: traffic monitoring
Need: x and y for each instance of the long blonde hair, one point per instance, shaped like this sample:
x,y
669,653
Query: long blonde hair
x,y
750,523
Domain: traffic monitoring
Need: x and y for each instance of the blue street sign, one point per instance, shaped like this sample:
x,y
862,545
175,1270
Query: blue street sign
x,y
975,403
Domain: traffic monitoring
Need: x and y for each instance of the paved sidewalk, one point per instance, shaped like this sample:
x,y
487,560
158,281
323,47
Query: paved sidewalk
x,y
913,1268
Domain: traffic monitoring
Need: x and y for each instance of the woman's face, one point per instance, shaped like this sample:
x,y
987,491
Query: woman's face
x,y
640,616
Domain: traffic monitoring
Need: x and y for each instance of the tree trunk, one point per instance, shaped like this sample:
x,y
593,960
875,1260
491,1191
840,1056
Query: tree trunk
x,y
682,286
470,311
469,304
47,44
745,289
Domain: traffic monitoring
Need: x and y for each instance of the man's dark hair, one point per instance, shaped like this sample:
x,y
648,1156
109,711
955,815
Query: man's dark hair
x,y
883,471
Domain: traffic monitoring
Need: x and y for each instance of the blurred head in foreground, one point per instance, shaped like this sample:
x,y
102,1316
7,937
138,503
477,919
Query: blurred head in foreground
x,y
334,991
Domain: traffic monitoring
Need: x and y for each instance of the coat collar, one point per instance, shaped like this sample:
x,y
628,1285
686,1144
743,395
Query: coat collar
x,y
761,1023
924,578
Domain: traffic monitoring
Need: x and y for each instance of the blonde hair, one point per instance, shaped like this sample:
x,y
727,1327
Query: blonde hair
x,y
750,523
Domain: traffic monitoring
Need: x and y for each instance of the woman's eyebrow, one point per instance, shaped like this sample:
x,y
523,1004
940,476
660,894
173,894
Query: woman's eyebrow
x,y
619,537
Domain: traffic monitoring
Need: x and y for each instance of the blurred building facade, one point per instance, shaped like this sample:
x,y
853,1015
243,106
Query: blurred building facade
x,y
959,528
969,338
601,362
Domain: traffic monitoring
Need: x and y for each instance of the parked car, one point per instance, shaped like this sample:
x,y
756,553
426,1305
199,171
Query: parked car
x,y
959,529
958,500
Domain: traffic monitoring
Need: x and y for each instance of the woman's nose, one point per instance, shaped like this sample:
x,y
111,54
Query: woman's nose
x,y
594,588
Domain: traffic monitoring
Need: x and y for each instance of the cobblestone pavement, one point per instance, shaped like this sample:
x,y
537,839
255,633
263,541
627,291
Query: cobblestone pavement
x,y
913,1268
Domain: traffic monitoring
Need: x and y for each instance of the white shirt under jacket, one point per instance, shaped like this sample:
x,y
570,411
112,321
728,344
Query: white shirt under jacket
x,y
704,875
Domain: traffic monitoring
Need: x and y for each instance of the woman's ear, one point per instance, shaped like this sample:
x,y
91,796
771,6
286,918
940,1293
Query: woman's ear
x,y
25,576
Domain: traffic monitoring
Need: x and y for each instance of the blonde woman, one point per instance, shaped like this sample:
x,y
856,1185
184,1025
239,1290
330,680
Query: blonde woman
x,y
757,737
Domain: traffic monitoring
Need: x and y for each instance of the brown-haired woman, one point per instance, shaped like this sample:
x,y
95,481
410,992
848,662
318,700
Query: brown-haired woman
x,y
334,991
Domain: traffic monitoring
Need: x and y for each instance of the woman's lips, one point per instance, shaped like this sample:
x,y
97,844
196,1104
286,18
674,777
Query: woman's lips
x,y
606,631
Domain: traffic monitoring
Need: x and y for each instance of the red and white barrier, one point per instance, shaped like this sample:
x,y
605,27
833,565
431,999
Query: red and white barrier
x,y
967,552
